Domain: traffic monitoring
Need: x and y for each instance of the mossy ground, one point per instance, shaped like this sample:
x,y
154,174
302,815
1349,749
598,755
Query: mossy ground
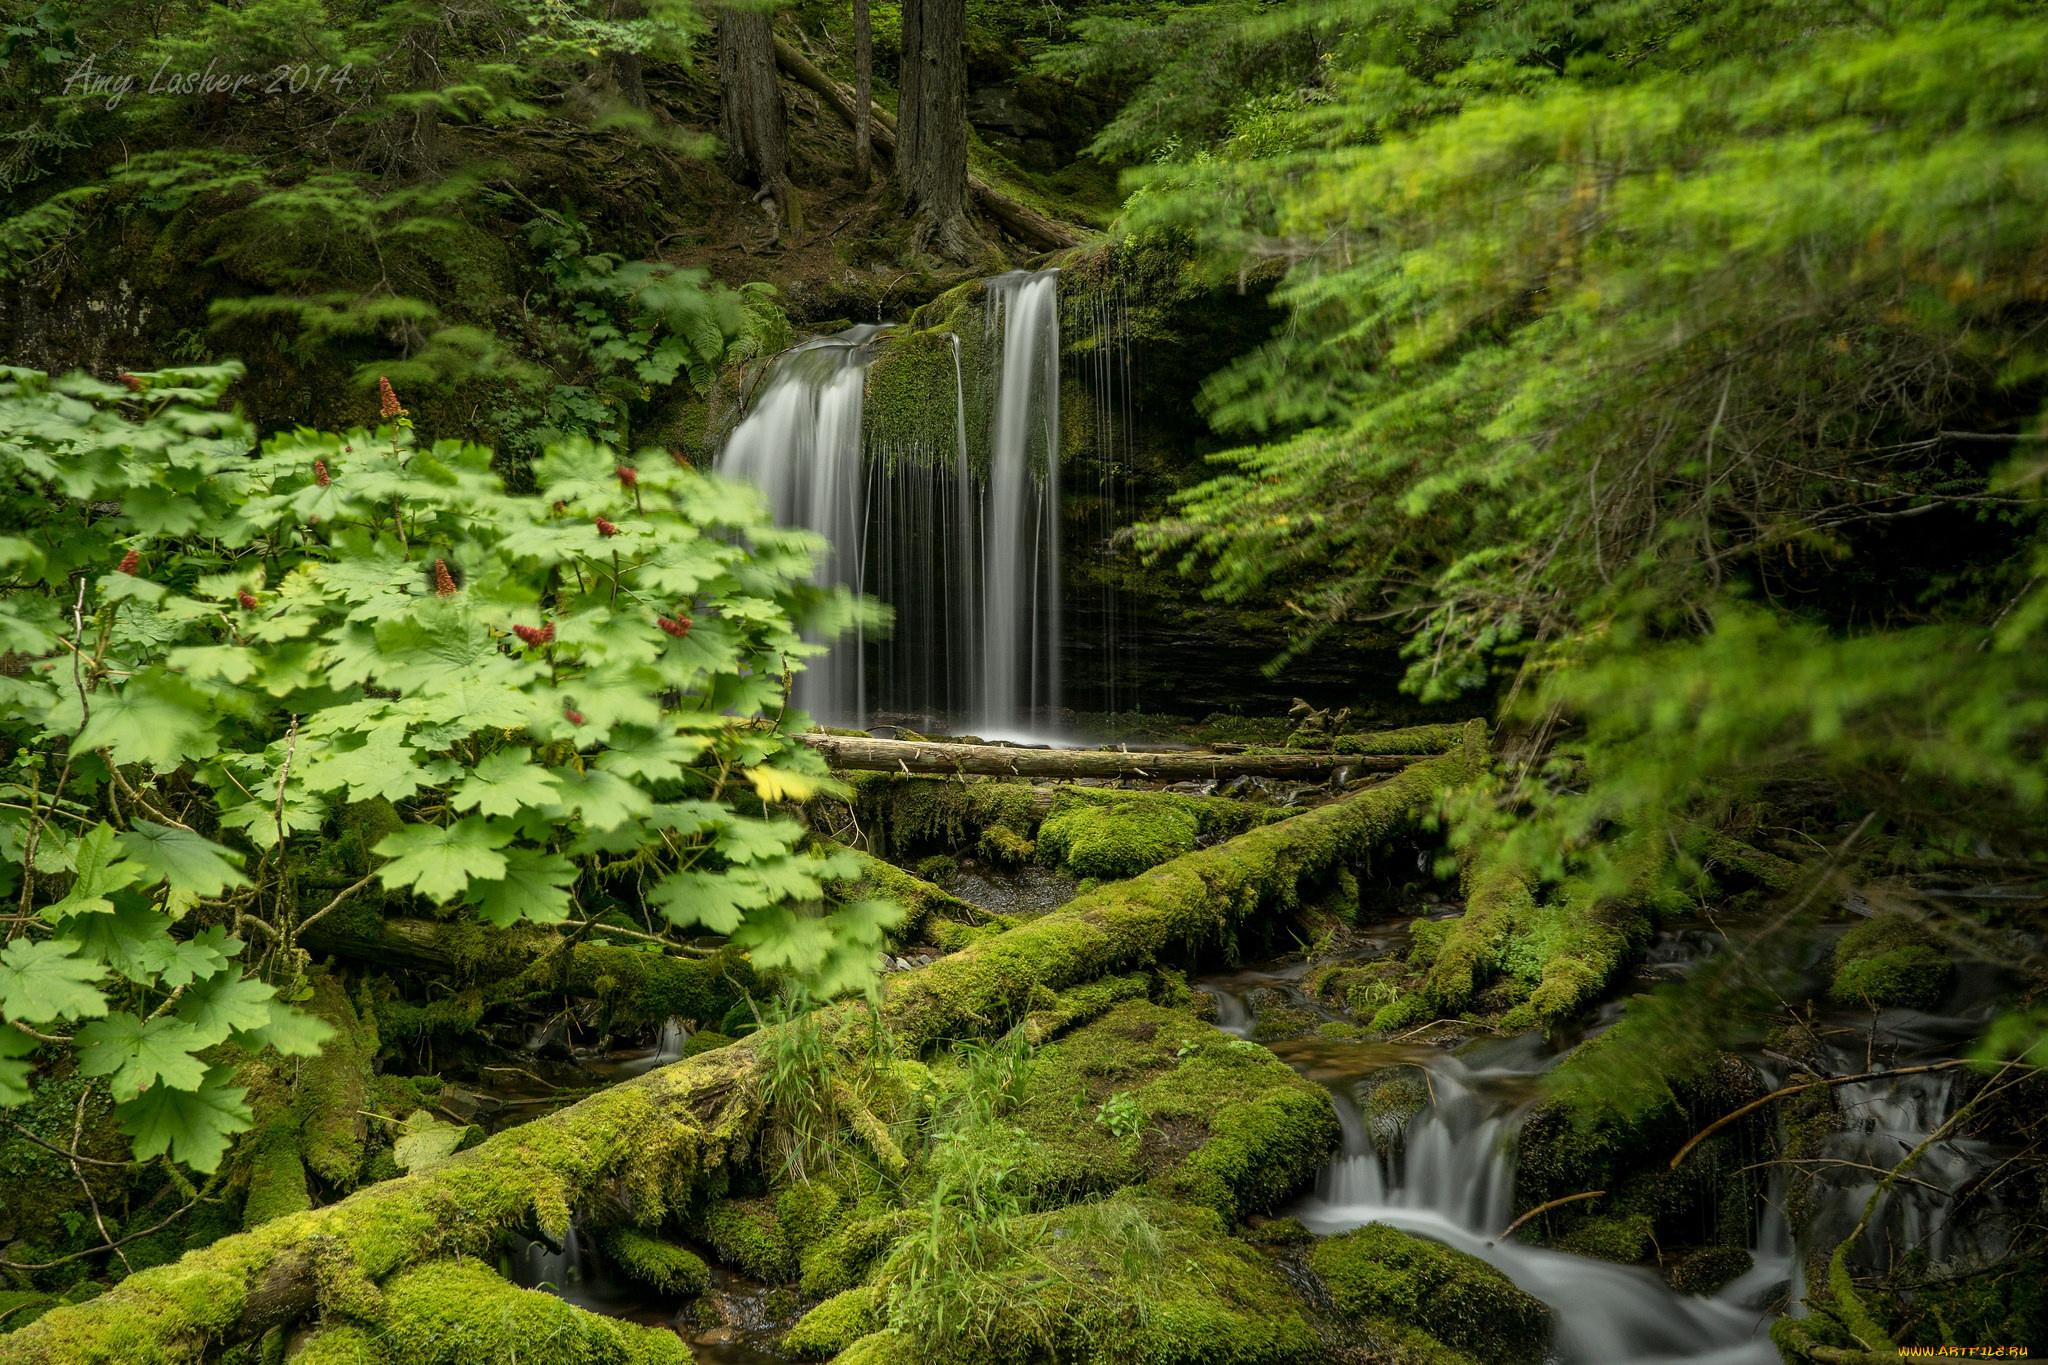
x,y
1377,1273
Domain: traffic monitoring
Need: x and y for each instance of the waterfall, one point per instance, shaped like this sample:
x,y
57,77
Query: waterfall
x,y
965,549
801,446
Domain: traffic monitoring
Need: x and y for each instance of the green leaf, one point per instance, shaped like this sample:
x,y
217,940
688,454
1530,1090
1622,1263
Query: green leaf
x,y
439,863
156,718
14,1073
604,800
505,783
424,1141
718,903
294,1033
192,865
92,857
383,766
534,888
194,1126
746,841
45,979
227,1002
651,757
138,1055
132,938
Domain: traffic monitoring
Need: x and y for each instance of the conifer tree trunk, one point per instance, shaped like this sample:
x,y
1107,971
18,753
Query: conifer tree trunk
x,y
622,69
931,126
750,113
863,94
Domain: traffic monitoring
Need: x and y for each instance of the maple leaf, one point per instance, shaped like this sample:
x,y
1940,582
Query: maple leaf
x,y
505,783
439,863
533,888
138,1055
294,1033
46,979
156,717
224,1003
194,1126
93,859
191,864
603,800
717,902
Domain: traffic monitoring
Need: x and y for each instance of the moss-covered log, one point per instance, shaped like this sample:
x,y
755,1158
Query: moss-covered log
x,y
653,1138
1002,760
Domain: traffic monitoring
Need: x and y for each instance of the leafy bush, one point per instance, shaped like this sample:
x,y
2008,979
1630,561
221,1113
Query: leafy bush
x,y
223,666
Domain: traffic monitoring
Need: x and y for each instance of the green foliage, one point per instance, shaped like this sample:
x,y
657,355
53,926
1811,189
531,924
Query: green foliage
x,y
1378,1272
214,671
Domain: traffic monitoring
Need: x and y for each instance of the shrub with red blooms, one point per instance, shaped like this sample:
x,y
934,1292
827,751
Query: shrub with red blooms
x,y
605,528
572,715
678,628
133,381
247,599
444,582
129,561
629,476
536,635
388,406
320,474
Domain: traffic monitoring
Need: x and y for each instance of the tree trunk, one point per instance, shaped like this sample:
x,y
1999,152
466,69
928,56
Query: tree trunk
x,y
1021,221
1001,760
750,114
931,134
863,94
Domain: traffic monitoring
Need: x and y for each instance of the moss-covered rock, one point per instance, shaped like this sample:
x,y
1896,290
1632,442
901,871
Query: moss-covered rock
x,y
1378,1273
660,1265
842,1260
1891,961
277,1176
1624,1238
461,1313
1708,1270
1388,1100
886,1347
1123,1280
833,1325
1114,841
1216,1121
747,1235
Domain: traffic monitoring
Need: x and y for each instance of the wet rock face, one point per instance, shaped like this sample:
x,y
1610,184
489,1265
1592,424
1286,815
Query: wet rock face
x,y
1379,1275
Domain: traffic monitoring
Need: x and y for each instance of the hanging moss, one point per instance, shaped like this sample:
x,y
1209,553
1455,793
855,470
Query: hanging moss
x,y
1377,1272
661,1266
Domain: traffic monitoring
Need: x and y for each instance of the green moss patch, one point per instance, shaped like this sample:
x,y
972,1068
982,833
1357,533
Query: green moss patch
x,y
833,1325
1204,1117
1376,1272
1891,961
461,1313
659,1265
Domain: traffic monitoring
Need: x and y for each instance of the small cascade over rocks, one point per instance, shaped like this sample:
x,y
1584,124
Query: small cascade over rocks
x,y
963,544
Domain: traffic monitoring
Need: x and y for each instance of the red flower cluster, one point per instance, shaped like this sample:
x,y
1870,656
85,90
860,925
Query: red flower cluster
x,y
629,476
444,582
320,474
388,407
133,381
606,529
536,635
129,561
247,600
678,627
571,714
560,507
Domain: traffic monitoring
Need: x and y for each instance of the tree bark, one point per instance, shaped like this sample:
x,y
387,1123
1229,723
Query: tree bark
x,y
997,760
1021,221
659,1134
750,115
863,94
931,162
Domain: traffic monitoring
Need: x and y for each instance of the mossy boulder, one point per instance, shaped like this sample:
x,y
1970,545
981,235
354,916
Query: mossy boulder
x,y
1891,961
839,1262
1123,1279
660,1265
462,1313
1214,1120
1389,1099
1624,1238
747,1235
1277,1023
1110,842
1377,1273
833,1325
1708,1270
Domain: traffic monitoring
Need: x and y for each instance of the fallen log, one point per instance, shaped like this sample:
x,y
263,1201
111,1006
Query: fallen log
x,y
1002,760
652,1138
1025,223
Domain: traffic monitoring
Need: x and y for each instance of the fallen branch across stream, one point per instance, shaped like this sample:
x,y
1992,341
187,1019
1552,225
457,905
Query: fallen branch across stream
x,y
653,1139
1002,760
1718,1124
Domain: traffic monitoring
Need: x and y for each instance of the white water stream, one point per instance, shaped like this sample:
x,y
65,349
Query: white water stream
x,y
965,550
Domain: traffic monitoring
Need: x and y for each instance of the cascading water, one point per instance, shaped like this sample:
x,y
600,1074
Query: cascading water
x,y
965,548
